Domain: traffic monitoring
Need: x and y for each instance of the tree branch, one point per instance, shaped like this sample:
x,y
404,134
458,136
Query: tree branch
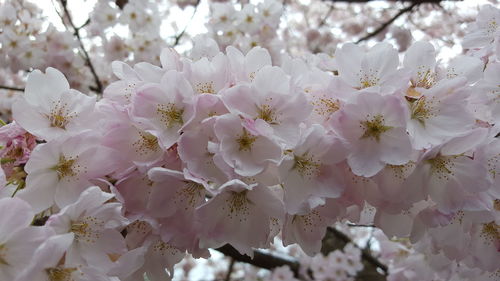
x,y
84,24
179,36
121,3
335,239
391,20
229,270
85,54
323,21
11,88
261,259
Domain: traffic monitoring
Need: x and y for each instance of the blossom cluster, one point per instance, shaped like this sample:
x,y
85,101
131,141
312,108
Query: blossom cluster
x,y
233,148
250,26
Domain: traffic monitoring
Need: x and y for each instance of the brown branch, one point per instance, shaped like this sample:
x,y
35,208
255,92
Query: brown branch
x,y
323,21
335,239
261,259
229,270
121,3
85,54
373,270
390,21
11,88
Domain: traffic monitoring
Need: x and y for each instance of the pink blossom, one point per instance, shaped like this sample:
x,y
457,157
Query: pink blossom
x,y
245,145
240,215
18,240
374,129
50,109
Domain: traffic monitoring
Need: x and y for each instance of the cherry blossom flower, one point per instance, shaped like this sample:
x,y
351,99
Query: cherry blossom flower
x,y
58,171
309,169
18,240
245,145
96,227
240,215
439,114
374,129
50,109
279,108
452,176
162,109
486,28
375,68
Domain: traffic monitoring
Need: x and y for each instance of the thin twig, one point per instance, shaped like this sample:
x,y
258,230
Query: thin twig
x,y
86,55
323,21
84,24
229,270
391,20
179,36
59,14
12,88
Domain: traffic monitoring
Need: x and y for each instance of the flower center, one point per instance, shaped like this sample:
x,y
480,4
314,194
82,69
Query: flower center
x,y
238,205
84,229
496,204
146,143
305,165
245,141
442,166
3,254
65,167
421,110
325,106
205,87
170,114
60,273
374,127
426,79
490,232
59,115
369,79
267,113
190,194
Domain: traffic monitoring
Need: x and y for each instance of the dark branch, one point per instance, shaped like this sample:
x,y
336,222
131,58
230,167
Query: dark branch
x,y
84,24
261,259
12,88
229,270
323,21
85,54
121,3
390,21
179,36
335,239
